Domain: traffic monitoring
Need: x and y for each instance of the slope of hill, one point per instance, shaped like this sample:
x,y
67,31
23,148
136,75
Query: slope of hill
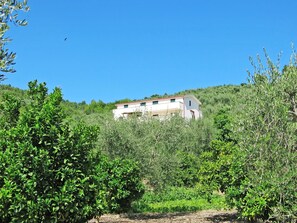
x,y
212,98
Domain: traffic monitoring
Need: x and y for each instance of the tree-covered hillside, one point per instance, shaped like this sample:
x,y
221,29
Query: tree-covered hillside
x,y
212,99
215,98
244,147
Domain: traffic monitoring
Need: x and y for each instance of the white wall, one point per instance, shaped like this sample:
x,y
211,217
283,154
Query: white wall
x,y
192,105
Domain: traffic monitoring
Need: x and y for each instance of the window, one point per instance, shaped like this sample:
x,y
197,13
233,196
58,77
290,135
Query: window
x,y
190,103
172,100
155,102
125,106
142,103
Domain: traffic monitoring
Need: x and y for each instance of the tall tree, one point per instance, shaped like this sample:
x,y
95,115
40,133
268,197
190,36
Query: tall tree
x,y
267,140
8,14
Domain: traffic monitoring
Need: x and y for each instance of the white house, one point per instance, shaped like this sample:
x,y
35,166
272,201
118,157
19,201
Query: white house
x,y
187,106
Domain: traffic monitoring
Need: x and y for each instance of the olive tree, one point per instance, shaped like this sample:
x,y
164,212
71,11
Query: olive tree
x,y
264,172
8,14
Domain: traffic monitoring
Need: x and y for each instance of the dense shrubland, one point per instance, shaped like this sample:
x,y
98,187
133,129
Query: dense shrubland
x,y
244,150
62,161
166,151
245,146
162,154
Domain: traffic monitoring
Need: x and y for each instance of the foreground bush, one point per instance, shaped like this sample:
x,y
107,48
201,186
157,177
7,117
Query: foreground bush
x,y
123,183
263,173
46,173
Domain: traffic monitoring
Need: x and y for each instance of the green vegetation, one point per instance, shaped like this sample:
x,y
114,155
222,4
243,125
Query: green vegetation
x,y
49,171
254,158
8,14
122,181
45,170
264,175
160,148
242,154
62,161
178,199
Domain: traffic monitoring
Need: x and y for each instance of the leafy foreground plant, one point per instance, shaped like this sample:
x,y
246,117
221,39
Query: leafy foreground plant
x,y
46,173
264,171
123,182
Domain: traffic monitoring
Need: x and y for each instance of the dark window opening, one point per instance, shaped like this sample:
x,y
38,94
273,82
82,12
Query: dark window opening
x,y
142,103
125,106
155,102
193,114
172,100
190,103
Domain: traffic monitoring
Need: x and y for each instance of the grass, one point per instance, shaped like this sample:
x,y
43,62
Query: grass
x,y
178,199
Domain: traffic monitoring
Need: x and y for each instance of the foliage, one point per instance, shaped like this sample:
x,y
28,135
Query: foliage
x,y
212,98
98,107
46,172
157,146
189,168
216,161
172,194
215,98
174,199
8,13
214,171
8,89
91,114
169,152
123,182
264,178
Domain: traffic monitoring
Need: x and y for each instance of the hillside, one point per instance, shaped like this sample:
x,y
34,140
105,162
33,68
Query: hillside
x,y
212,99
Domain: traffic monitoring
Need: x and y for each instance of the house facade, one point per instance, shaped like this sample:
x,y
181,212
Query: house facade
x,y
187,106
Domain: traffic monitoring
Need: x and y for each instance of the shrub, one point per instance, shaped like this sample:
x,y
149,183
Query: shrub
x,y
264,175
46,171
123,183
189,168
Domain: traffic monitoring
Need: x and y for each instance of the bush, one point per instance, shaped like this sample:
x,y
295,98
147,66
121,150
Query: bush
x,y
46,172
264,175
123,183
189,169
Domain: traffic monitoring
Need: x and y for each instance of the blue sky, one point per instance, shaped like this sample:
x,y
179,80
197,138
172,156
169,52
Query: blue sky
x,y
119,49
